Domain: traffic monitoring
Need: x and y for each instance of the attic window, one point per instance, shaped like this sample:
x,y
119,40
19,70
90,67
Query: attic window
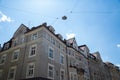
x,y
20,31
51,29
6,46
60,36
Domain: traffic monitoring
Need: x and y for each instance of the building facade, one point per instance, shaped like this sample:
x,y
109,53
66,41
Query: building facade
x,y
40,54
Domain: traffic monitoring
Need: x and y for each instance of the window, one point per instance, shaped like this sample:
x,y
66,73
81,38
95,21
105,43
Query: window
x,y
15,42
62,48
34,36
69,52
12,73
22,39
15,55
73,76
52,40
48,37
1,72
6,46
3,59
30,70
62,75
59,45
61,58
32,50
50,71
50,53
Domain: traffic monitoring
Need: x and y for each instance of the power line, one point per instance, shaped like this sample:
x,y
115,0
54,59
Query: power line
x,y
25,11
74,6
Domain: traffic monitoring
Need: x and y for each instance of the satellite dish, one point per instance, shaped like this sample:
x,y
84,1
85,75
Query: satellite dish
x,y
64,17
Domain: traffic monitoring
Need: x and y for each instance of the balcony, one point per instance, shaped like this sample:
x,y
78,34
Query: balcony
x,y
79,70
36,78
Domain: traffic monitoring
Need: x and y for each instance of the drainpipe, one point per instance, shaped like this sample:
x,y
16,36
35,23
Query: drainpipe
x,y
67,64
0,47
25,49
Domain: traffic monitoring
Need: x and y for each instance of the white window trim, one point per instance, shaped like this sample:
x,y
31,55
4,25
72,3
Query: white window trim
x,y
15,42
32,36
53,71
52,40
28,71
22,39
60,73
53,53
13,55
63,59
1,71
2,58
70,74
14,67
73,73
34,45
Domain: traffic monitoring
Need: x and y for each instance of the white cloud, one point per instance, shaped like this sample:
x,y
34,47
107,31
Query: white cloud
x,y
118,65
4,18
70,35
118,45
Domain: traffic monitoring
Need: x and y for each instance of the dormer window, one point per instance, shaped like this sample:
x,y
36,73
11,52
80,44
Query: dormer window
x,y
75,46
51,29
34,36
6,46
60,36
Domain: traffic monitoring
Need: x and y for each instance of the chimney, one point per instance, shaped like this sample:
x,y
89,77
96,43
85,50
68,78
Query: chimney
x,y
0,47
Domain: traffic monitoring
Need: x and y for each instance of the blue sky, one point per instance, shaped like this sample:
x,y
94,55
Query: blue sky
x,y
95,23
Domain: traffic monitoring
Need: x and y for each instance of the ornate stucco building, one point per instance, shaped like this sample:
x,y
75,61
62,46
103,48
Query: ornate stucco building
x,y
41,54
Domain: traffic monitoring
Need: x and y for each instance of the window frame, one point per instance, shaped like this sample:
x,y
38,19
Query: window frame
x,y
15,42
51,70
27,72
53,41
15,68
63,74
22,39
73,75
7,45
63,61
1,73
4,55
18,51
52,58
34,36
30,50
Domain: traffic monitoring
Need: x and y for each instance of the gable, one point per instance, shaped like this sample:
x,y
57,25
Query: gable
x,y
73,43
21,30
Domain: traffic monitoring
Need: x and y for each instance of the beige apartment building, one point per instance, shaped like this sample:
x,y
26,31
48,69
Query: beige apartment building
x,y
41,54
